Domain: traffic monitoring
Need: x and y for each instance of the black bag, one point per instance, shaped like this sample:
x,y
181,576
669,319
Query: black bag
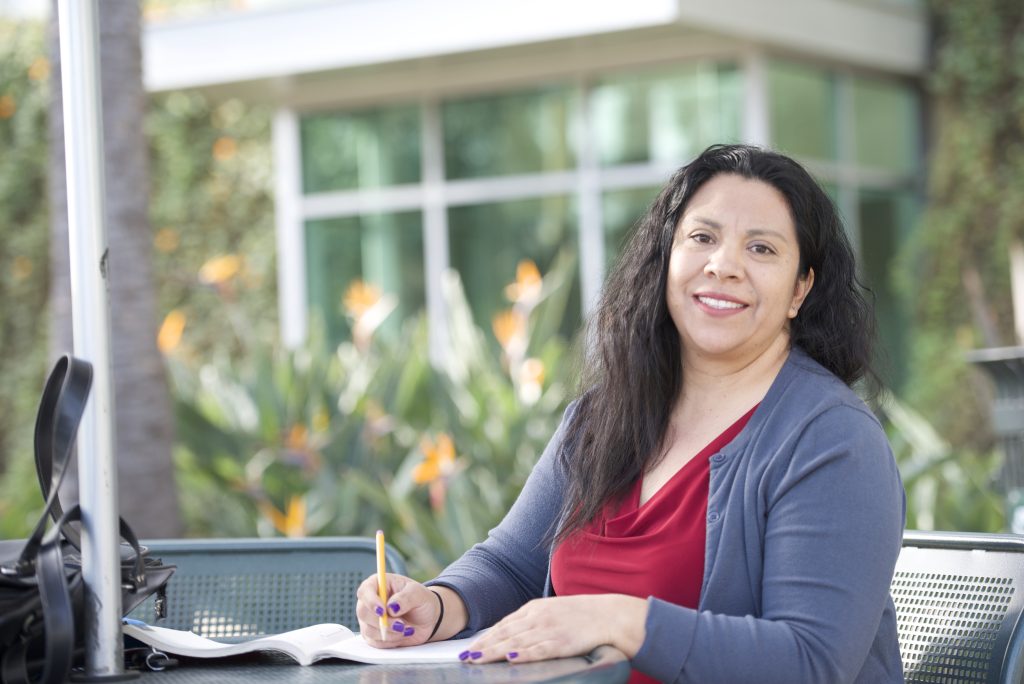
x,y
41,591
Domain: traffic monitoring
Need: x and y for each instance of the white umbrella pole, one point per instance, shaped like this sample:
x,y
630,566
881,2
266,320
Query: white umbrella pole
x,y
87,241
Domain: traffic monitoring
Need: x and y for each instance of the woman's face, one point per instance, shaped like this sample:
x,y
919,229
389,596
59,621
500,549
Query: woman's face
x,y
732,277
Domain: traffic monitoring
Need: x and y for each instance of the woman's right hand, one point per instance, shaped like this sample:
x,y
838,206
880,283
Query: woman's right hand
x,y
412,611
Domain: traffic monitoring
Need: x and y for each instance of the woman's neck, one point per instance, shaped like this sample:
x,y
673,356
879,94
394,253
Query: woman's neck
x,y
713,385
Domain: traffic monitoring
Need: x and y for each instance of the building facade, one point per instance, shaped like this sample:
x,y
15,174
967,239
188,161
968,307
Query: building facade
x,y
414,136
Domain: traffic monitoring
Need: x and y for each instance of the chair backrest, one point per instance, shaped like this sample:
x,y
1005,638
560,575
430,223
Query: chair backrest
x,y
959,598
240,588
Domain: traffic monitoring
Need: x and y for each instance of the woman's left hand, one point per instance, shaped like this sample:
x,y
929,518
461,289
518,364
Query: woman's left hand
x,y
563,626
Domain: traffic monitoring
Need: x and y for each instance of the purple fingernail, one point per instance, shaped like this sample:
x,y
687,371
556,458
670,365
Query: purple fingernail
x,y
475,654
379,611
398,627
463,655
409,631
394,607
512,655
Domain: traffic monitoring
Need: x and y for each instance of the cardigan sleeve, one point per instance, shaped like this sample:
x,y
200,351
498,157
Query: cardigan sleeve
x,y
509,568
833,529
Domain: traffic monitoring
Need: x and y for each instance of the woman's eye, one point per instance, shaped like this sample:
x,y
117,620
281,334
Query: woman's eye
x,y
702,238
762,249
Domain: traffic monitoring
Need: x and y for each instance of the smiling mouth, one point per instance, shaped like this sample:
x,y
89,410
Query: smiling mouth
x,y
720,304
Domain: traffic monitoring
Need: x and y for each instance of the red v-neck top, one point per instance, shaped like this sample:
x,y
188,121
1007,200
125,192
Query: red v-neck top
x,y
654,549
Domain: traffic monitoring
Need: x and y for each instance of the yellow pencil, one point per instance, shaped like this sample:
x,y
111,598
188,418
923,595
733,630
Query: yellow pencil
x,y
382,585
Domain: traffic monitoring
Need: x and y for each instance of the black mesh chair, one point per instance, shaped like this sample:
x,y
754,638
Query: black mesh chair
x,y
959,599
234,589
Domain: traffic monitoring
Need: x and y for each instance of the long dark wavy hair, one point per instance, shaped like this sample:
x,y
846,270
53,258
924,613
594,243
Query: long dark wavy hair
x,y
632,371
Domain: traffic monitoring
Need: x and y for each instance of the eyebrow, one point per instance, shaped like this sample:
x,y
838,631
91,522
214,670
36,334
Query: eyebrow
x,y
753,232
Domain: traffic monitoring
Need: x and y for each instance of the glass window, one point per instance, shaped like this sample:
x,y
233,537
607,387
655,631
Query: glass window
x,y
509,134
802,110
385,250
346,151
487,241
667,117
885,125
621,209
885,217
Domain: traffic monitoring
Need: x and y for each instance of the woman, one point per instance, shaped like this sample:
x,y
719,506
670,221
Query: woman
x,y
718,504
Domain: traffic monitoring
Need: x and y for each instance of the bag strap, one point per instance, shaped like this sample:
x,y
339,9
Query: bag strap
x,y
60,412
58,611
58,615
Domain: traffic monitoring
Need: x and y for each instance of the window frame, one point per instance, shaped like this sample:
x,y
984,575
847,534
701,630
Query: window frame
x,y
434,195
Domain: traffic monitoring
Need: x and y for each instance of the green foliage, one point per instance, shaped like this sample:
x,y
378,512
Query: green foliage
x,y
24,258
348,441
211,174
946,489
975,210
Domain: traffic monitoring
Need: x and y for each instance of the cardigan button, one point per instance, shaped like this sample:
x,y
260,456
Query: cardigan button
x,y
713,516
718,458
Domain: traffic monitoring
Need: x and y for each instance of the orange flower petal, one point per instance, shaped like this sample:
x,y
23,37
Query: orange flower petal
x,y
527,274
532,371
438,459
298,438
40,69
276,518
169,337
224,148
295,520
507,325
528,282
166,240
360,297
445,451
425,471
220,269
7,106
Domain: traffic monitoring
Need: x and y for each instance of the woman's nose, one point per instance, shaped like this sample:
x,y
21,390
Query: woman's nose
x,y
723,263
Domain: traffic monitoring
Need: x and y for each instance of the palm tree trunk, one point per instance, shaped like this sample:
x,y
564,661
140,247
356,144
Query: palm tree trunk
x,y
144,423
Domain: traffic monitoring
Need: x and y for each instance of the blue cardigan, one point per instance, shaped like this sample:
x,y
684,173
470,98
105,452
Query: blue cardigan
x,y
804,523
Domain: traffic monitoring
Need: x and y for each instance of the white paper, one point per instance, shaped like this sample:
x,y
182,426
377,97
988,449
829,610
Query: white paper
x,y
305,645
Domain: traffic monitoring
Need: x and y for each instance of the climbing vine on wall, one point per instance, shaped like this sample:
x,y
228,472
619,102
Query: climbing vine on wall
x,y
956,271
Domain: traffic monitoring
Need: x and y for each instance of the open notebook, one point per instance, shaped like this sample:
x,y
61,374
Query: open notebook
x,y
305,645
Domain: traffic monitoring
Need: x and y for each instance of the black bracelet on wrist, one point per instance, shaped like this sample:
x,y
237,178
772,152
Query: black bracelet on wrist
x,y
440,617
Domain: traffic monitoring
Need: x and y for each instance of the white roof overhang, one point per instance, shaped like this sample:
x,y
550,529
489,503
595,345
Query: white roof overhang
x,y
353,50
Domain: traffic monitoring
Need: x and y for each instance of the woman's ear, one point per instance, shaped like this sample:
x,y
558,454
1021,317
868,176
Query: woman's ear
x,y
800,292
